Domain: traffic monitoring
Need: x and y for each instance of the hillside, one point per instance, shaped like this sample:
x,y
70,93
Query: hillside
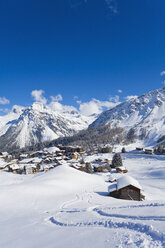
x,y
144,116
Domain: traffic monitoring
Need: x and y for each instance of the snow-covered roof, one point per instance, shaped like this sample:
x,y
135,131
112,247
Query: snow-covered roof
x,y
23,155
4,153
26,160
51,149
15,166
121,168
30,166
127,180
37,160
48,166
36,152
2,163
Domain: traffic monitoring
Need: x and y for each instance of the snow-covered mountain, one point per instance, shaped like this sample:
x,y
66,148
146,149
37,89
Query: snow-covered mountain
x,y
38,123
23,127
144,114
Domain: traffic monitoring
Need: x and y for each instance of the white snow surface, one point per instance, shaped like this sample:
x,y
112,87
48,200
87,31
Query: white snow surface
x,y
68,208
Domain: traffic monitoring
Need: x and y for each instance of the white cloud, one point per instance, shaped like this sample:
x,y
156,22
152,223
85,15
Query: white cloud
x,y
163,82
57,98
114,99
4,101
56,106
127,98
119,91
60,108
38,96
95,106
162,73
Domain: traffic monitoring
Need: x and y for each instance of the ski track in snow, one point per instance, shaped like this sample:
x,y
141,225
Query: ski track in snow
x,y
148,230
154,218
145,229
70,202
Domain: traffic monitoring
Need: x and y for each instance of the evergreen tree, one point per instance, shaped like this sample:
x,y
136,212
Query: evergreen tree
x,y
88,168
123,150
117,160
160,149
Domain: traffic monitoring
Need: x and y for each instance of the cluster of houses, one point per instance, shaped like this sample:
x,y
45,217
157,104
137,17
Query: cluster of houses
x,y
149,151
122,187
49,158
30,163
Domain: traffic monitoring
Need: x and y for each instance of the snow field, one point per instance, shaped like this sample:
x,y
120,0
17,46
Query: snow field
x,y
68,208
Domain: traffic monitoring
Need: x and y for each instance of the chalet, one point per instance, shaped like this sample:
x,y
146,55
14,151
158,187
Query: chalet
x,y
36,154
26,161
105,149
67,158
74,149
108,161
60,152
23,156
15,168
101,167
70,149
99,160
51,150
148,151
4,154
76,166
127,188
121,169
74,155
139,149
47,160
30,169
3,165
37,161
48,167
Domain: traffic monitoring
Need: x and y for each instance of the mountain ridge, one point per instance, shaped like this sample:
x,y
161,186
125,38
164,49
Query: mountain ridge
x,y
38,123
141,119
144,114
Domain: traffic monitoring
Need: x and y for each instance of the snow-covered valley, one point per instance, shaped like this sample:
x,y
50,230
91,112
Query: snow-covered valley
x,y
65,207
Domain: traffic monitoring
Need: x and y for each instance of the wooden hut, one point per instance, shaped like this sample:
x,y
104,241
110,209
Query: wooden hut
x,y
15,168
31,169
148,151
75,155
139,149
121,169
101,167
48,167
126,188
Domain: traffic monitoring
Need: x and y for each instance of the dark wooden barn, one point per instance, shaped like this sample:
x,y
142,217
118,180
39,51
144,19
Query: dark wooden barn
x,y
126,188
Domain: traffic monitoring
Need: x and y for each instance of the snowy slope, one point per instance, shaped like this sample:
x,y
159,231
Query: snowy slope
x,y
7,120
68,208
145,114
38,123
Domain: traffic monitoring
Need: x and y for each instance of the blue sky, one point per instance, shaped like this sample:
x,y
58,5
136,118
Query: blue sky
x,y
81,49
